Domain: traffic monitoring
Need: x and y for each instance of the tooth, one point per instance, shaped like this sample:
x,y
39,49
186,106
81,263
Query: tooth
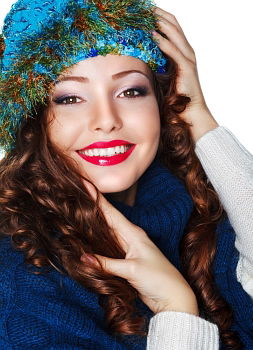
x,y
96,152
106,152
102,152
111,151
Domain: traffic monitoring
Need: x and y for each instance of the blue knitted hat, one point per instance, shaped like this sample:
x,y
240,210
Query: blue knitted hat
x,y
41,38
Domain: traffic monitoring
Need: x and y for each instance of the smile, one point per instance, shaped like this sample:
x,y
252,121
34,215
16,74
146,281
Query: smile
x,y
107,153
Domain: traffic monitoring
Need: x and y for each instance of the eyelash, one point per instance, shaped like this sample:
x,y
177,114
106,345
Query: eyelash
x,y
60,100
142,91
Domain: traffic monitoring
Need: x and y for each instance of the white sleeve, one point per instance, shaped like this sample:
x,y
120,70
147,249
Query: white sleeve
x,y
177,330
229,167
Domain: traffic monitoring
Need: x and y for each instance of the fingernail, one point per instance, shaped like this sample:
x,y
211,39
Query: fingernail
x,y
154,33
87,257
91,189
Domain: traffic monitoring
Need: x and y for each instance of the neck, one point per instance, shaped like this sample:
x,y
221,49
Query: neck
x,y
127,196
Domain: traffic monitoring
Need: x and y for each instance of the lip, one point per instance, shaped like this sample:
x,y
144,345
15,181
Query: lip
x,y
107,161
107,144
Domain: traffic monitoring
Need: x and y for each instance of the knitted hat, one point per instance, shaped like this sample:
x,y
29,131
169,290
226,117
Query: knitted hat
x,y
41,38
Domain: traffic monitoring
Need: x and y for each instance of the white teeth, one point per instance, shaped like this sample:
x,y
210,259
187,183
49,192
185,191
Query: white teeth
x,y
110,152
96,152
102,152
105,152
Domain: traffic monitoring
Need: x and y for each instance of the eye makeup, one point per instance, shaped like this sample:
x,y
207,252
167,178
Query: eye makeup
x,y
141,91
72,99
132,92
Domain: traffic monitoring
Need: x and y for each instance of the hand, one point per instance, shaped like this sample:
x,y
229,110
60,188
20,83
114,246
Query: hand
x,y
160,285
176,46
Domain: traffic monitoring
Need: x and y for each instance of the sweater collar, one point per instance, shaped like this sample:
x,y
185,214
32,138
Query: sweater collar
x,y
162,208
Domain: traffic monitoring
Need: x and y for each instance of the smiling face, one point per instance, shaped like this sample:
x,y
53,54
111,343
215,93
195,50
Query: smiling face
x,y
103,113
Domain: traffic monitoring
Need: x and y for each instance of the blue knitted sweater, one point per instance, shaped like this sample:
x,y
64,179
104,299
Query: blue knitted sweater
x,y
51,311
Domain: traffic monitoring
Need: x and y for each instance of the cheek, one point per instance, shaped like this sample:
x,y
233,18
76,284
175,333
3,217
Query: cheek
x,y
147,124
64,131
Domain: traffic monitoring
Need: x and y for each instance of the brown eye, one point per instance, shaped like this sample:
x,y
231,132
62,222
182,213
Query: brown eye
x,y
68,100
71,100
134,92
131,93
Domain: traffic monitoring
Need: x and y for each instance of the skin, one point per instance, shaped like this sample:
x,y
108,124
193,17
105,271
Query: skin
x,y
173,294
143,261
176,46
103,111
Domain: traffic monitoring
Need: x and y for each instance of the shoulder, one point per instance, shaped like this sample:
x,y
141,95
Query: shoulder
x,y
18,282
22,279
36,307
8,262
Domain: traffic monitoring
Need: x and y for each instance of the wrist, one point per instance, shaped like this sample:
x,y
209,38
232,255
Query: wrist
x,y
201,121
188,305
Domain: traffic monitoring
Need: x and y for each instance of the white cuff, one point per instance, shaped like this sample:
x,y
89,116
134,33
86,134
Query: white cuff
x,y
177,330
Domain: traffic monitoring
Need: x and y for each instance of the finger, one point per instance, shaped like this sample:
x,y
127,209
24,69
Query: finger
x,y
176,37
117,267
91,189
126,232
170,49
169,17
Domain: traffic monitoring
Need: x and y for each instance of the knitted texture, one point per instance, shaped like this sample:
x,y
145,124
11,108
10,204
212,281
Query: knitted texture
x,y
41,38
178,330
230,167
51,309
162,209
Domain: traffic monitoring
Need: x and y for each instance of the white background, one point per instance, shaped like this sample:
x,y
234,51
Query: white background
x,y
220,31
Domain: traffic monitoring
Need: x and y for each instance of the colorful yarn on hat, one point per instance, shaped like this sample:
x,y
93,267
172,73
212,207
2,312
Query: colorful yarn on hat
x,y
41,38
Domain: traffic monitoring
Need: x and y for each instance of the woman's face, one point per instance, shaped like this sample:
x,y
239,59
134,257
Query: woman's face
x,y
103,113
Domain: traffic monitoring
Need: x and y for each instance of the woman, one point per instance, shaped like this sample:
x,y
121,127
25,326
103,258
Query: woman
x,y
46,203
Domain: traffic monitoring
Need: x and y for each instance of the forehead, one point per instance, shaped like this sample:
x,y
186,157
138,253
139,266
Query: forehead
x,y
107,66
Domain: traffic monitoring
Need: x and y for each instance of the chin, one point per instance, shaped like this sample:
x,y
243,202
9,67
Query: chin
x,y
113,184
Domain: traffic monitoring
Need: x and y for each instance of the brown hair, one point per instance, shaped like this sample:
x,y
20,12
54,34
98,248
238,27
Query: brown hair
x,y
51,217
198,246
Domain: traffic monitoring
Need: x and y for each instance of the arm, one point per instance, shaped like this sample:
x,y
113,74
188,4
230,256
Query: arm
x,y
227,163
229,167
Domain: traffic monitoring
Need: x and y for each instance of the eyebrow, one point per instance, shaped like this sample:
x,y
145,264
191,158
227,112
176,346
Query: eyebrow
x,y
114,76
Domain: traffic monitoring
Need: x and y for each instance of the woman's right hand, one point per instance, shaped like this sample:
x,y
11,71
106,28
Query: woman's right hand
x,y
160,285
175,45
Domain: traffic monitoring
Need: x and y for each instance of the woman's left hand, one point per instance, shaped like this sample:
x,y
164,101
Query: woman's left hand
x,y
160,285
176,46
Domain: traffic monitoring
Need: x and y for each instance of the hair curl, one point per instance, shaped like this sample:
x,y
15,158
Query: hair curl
x,y
51,217
177,152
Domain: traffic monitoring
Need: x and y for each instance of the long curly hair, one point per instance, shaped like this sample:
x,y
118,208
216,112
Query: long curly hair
x,y
51,217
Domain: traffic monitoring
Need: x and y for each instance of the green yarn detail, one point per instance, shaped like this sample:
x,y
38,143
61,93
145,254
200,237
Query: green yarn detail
x,y
92,30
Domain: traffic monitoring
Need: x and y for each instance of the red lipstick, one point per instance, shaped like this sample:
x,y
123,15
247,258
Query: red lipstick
x,y
108,157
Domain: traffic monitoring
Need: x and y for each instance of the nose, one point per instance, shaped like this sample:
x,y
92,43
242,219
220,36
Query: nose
x,y
105,116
